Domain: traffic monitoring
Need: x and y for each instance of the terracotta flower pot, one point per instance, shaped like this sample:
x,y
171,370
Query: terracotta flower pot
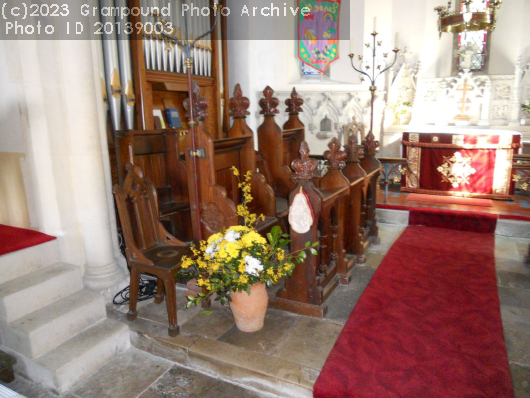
x,y
249,309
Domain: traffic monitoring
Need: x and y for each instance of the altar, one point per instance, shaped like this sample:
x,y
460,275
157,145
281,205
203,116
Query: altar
x,y
460,162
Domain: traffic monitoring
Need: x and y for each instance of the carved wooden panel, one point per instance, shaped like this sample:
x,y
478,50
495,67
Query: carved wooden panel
x,y
154,167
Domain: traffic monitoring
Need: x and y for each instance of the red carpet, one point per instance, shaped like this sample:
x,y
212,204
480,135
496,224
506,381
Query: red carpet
x,y
13,239
514,217
419,197
427,325
463,221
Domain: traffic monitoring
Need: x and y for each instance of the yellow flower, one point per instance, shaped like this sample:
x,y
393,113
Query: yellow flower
x,y
270,271
243,279
186,262
235,171
251,238
232,248
239,228
215,237
214,266
222,253
280,255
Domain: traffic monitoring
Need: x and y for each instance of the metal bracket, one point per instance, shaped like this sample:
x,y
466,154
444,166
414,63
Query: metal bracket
x,y
199,153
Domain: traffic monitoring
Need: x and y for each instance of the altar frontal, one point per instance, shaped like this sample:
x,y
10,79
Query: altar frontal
x,y
465,163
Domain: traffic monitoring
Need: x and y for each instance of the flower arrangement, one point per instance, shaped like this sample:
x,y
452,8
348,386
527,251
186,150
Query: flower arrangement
x,y
235,258
525,106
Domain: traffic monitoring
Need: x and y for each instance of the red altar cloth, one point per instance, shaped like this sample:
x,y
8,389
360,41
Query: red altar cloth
x,y
474,163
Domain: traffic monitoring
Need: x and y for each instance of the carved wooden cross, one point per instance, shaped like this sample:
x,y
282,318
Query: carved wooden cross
x,y
464,90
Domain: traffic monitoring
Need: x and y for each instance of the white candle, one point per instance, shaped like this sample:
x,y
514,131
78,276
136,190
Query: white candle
x,y
375,24
351,46
397,39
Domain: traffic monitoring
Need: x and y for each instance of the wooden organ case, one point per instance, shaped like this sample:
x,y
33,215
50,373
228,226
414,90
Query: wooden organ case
x,y
145,74
159,84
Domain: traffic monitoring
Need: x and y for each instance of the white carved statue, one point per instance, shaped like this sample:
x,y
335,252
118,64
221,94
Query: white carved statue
x,y
467,54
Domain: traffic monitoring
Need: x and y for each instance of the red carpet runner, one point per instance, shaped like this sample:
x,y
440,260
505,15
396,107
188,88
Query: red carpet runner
x,y
427,325
419,197
13,239
459,220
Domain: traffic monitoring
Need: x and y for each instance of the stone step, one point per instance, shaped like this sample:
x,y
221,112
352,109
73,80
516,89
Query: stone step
x,y
47,328
77,358
23,262
32,292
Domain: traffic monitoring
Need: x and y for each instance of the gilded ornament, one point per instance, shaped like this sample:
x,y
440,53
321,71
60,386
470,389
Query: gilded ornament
x,y
456,169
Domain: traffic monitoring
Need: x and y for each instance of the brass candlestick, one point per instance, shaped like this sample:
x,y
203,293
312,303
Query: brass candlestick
x,y
382,66
187,45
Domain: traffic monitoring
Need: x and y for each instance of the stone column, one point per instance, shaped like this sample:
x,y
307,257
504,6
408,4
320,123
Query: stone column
x,y
81,106
68,178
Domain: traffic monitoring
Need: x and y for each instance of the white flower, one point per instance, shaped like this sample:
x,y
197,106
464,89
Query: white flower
x,y
232,236
212,248
253,266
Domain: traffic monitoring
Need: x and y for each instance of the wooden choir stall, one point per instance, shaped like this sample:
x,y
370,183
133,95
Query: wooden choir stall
x,y
198,195
218,193
344,194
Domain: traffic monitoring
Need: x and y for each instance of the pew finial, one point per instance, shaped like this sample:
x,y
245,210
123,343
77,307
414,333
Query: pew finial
x,y
353,149
239,104
294,104
200,104
269,103
334,156
304,168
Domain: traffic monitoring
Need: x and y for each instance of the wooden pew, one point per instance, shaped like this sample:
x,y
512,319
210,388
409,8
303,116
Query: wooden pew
x,y
218,193
278,148
156,153
313,281
355,238
293,133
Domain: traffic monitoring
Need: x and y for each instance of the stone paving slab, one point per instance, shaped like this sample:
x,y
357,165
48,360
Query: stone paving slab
x,y
181,382
310,352
125,376
277,325
259,371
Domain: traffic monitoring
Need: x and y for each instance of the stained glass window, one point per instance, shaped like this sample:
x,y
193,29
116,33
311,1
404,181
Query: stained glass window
x,y
310,71
476,40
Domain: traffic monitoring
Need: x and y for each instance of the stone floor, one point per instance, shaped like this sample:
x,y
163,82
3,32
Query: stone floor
x,y
211,358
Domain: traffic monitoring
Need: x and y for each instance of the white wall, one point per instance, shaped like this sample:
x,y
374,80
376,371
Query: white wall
x,y
13,201
510,38
415,20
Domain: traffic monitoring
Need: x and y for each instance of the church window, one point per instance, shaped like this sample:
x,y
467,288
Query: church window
x,y
478,41
308,71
